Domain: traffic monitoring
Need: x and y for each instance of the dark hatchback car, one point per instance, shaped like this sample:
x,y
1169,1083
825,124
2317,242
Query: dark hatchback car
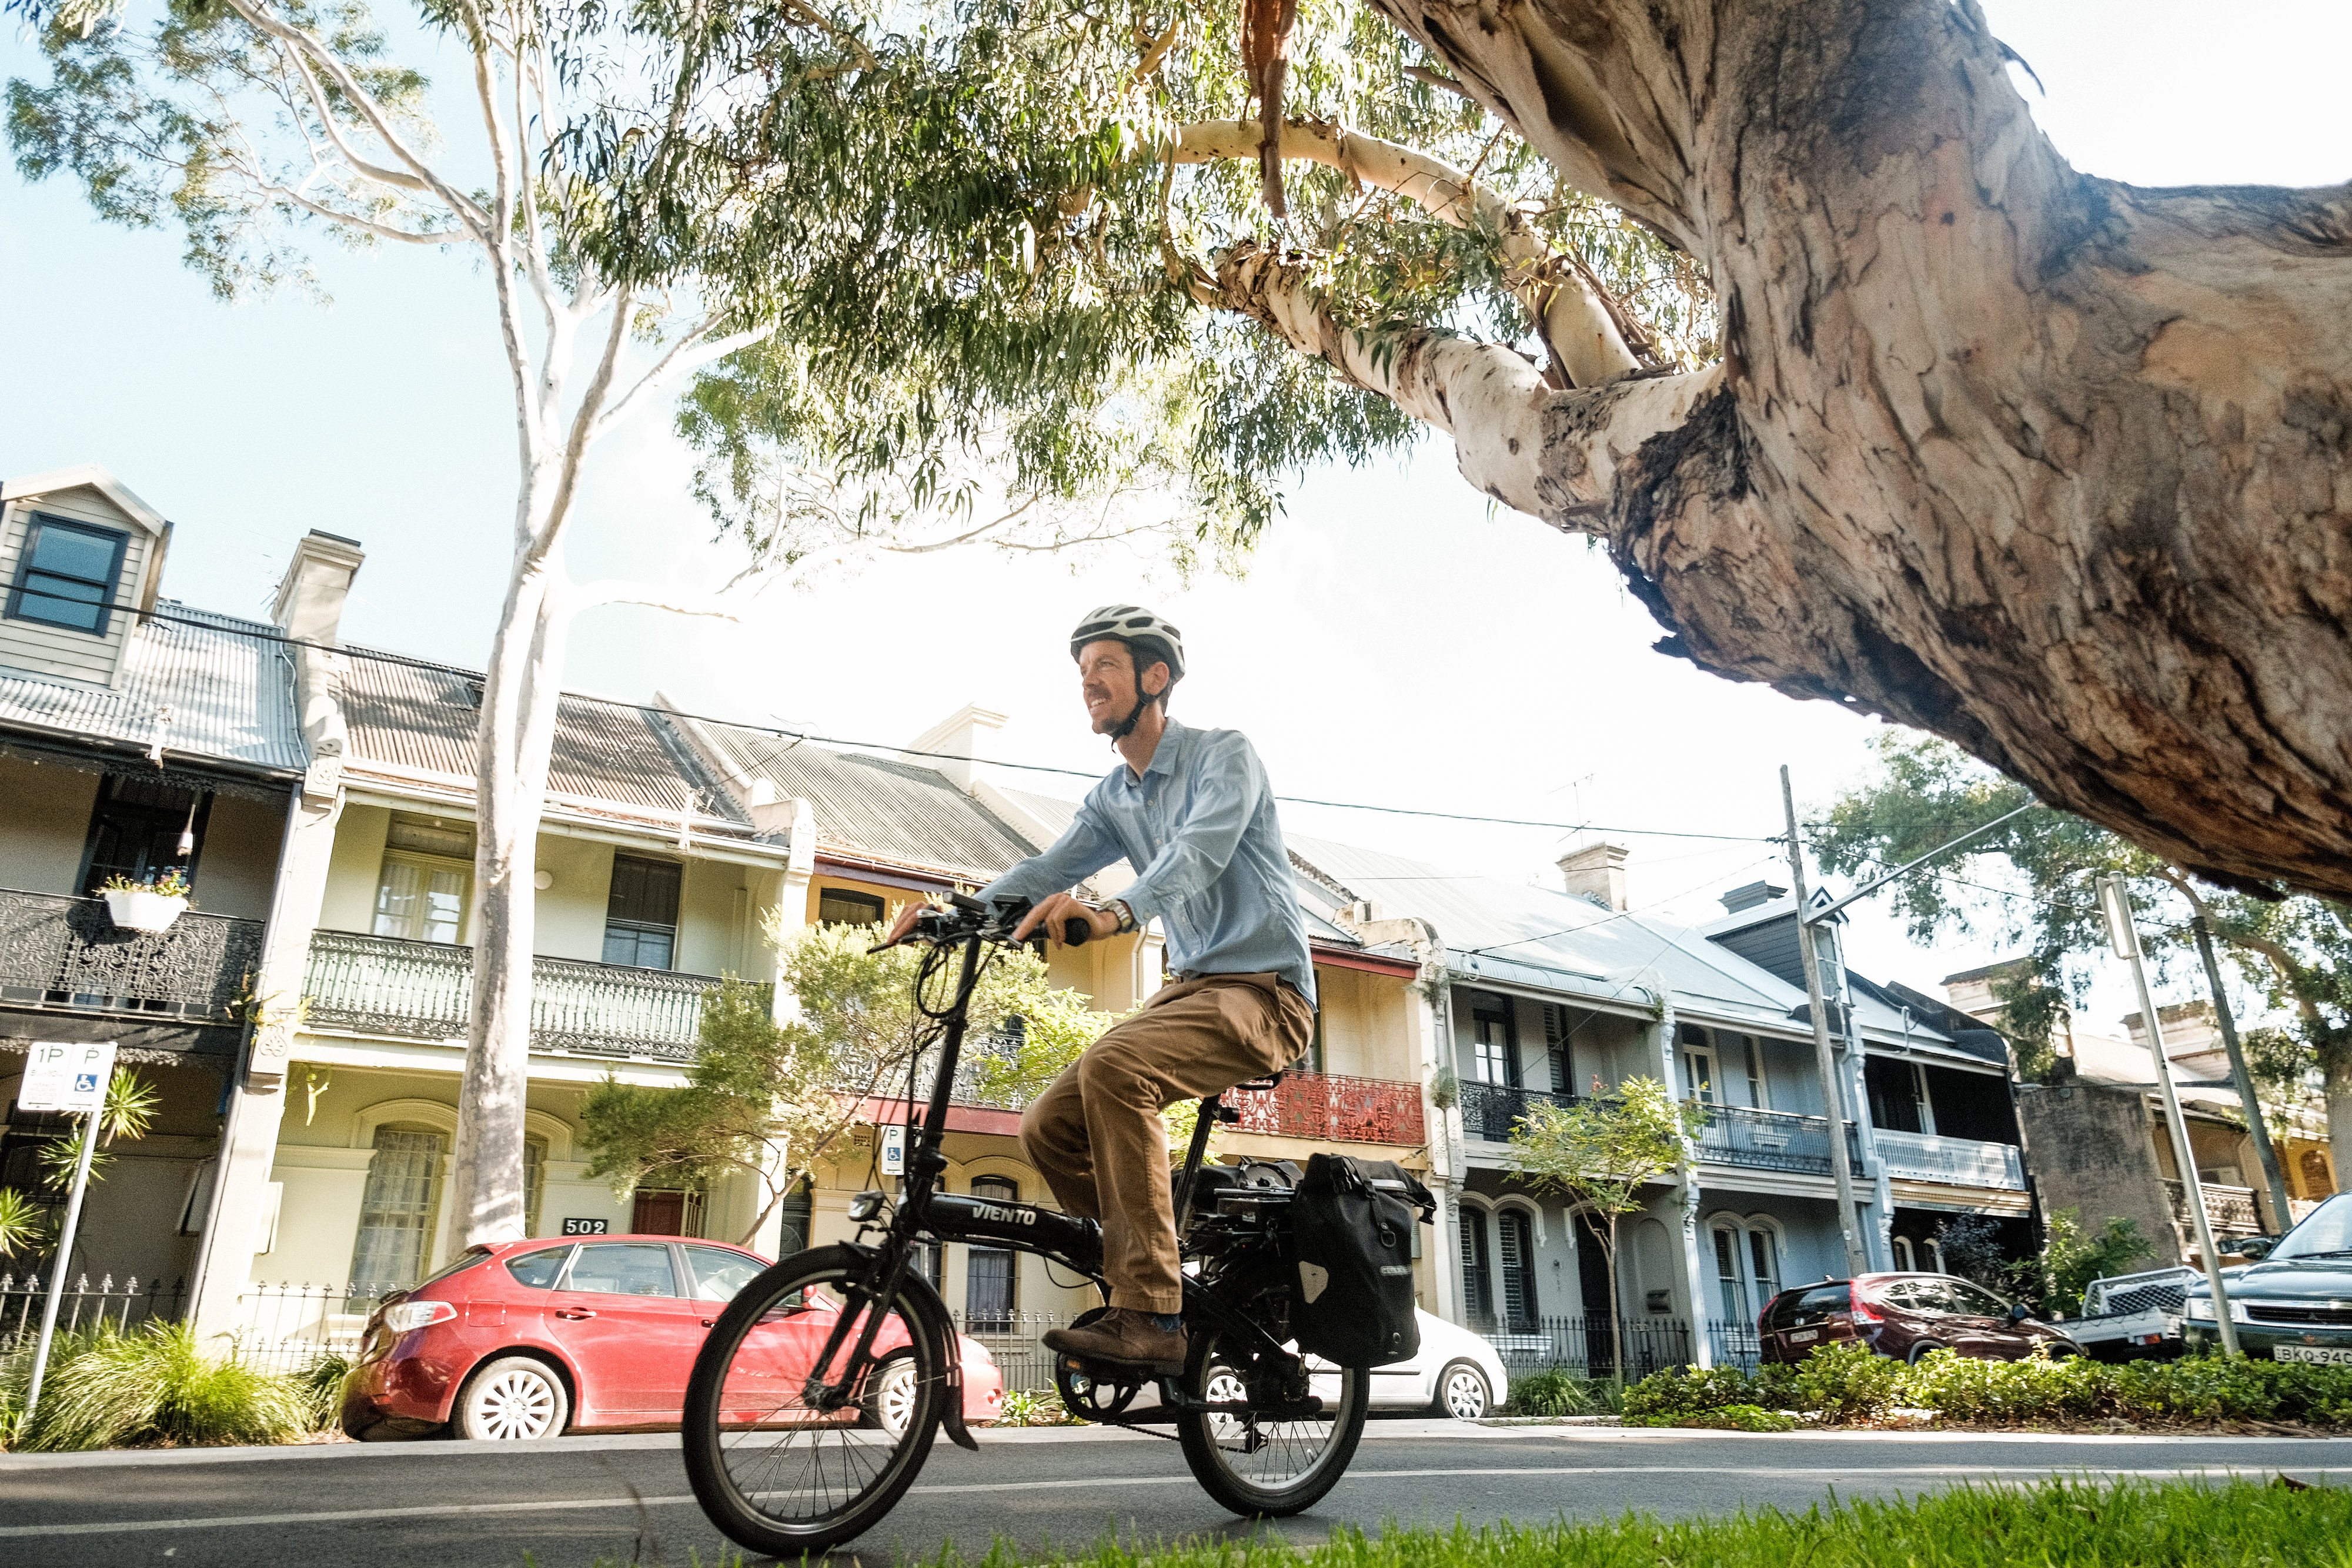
x,y
2294,1305
1904,1316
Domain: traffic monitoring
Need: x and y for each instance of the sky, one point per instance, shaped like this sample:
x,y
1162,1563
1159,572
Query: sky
x,y
1395,642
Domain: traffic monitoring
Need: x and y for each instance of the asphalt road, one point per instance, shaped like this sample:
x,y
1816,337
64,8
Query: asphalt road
x,y
575,1501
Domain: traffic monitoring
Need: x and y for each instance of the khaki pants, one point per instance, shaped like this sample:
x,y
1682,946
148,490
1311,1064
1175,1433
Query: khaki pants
x,y
1096,1134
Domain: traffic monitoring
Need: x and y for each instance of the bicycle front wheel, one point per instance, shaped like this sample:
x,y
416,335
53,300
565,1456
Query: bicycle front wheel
x,y
781,1475
1255,1465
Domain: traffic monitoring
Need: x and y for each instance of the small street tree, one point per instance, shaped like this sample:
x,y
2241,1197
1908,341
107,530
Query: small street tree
x,y
1599,1153
2296,953
772,1101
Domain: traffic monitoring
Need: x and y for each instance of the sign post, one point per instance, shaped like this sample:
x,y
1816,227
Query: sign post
x,y
70,1077
2122,936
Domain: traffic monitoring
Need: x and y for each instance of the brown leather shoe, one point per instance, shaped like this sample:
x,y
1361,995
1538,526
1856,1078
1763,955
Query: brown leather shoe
x,y
1123,1338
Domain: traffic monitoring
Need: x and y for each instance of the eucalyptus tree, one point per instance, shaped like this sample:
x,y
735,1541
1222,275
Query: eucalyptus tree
x,y
2048,465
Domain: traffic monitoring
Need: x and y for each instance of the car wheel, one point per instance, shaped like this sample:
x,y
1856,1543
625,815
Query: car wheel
x,y
514,1398
1461,1391
890,1395
1918,1353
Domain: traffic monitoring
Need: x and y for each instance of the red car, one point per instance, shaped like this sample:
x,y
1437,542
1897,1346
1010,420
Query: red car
x,y
531,1339
1904,1316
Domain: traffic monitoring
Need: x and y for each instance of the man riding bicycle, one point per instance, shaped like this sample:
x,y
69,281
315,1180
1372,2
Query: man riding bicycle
x,y
1192,808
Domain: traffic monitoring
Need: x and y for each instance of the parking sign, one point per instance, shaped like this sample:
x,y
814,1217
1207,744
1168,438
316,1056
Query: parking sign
x,y
66,1075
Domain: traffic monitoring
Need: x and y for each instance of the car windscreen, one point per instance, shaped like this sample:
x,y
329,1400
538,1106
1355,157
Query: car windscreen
x,y
1799,1306
2324,1231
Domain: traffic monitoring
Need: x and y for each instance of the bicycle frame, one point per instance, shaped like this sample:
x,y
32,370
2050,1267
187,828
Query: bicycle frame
x,y
1077,1244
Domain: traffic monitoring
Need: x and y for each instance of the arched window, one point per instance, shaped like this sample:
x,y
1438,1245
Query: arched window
x,y
2316,1180
1515,1236
1747,1268
398,1206
990,1278
1902,1246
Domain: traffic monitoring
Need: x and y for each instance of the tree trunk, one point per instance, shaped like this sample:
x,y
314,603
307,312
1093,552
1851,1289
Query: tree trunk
x,y
1616,1306
520,697
2053,466
2335,1071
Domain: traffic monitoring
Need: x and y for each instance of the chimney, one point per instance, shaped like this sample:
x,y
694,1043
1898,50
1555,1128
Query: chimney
x,y
1752,895
310,607
1597,872
2188,1029
960,737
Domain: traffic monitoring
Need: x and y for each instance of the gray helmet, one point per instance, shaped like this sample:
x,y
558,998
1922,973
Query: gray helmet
x,y
1133,625
1149,639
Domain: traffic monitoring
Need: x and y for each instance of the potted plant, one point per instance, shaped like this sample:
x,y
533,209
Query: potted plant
x,y
149,905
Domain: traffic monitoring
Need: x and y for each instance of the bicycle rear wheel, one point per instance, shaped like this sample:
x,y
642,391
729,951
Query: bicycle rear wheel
x,y
774,1473
1257,1466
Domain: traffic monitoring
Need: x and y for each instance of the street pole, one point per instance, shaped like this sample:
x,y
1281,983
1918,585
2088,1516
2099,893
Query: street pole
x,y
91,1118
2123,933
1857,1261
2242,1078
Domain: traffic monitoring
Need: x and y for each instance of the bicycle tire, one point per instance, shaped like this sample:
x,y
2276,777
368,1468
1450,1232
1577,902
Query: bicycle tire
x,y
772,1475
1297,1461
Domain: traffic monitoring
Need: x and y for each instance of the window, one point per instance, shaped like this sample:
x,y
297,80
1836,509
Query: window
x,y
1753,1054
397,1209
641,921
1902,1246
1764,1260
1314,1045
1477,1283
1498,1059
135,828
427,874
1698,1065
839,907
1746,1267
1734,1288
538,1270
991,1280
67,574
719,1273
1898,1102
623,1269
1514,1239
1556,1048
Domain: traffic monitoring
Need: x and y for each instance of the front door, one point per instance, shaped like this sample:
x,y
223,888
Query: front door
x,y
629,1330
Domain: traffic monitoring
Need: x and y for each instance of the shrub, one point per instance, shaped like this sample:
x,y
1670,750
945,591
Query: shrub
x,y
157,1386
1687,1391
1847,1382
1741,1418
321,1382
1551,1391
1033,1407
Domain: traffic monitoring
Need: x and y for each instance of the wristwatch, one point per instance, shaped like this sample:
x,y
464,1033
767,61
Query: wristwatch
x,y
1118,910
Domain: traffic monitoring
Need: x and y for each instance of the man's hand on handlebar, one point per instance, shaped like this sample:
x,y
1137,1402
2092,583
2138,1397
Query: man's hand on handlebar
x,y
1055,912
908,914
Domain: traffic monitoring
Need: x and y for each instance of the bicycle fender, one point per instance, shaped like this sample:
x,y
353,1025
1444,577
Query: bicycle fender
x,y
941,1327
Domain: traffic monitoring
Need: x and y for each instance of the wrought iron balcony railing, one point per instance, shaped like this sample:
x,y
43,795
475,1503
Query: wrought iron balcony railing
x,y
1490,1111
1772,1140
422,990
2230,1209
63,953
1329,1105
1963,1162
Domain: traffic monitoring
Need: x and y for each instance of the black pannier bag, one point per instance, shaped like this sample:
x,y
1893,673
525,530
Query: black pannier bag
x,y
1351,1259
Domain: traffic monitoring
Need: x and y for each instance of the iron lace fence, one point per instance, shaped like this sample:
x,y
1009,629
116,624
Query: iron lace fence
x,y
1587,1346
1489,1111
1735,1343
82,1305
286,1327
1016,1341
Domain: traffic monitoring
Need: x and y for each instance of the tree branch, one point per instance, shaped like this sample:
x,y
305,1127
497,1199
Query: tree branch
x,y
688,354
364,167
616,591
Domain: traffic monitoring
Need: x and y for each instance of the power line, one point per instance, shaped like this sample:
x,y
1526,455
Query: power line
x,y
408,661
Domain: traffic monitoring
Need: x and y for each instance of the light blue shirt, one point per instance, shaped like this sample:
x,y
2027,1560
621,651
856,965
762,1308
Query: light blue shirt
x,y
1200,823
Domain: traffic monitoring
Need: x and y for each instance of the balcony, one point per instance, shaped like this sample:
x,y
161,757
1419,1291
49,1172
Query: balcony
x,y
422,990
65,953
1330,1107
2230,1209
1961,1162
1772,1140
1490,1111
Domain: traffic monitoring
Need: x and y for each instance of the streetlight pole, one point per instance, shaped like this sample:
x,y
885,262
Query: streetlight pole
x,y
2244,1080
1857,1261
2123,933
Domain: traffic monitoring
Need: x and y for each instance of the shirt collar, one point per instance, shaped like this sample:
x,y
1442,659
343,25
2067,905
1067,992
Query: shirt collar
x,y
1163,759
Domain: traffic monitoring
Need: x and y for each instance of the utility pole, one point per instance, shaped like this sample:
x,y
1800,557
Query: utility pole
x,y
2123,933
2244,1080
1857,1261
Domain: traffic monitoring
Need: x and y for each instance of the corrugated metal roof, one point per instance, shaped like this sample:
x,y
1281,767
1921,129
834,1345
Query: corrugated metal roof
x,y
869,807
1552,940
230,692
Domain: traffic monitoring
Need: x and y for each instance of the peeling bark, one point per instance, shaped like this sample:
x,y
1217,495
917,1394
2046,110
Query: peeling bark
x,y
2057,467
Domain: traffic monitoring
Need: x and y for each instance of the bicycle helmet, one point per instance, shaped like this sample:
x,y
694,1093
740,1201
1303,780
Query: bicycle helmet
x,y
1149,639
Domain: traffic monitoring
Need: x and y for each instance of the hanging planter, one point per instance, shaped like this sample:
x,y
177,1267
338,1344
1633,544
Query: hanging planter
x,y
149,906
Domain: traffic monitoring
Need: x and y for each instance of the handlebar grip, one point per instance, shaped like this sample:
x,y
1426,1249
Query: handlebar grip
x,y
1075,932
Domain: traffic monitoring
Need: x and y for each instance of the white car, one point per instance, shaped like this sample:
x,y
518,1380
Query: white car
x,y
1457,1374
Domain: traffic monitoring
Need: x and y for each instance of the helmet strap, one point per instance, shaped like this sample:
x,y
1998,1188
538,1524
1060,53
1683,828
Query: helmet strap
x,y
1142,700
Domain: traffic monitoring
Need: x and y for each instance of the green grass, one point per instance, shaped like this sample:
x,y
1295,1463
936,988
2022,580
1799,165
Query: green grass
x,y
2055,1524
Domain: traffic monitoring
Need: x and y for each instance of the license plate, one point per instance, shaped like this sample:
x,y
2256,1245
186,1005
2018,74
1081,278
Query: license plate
x,y
2326,1354
1804,1336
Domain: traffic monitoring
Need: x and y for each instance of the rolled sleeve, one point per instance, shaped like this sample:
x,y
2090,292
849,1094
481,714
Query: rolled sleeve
x,y
1199,848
